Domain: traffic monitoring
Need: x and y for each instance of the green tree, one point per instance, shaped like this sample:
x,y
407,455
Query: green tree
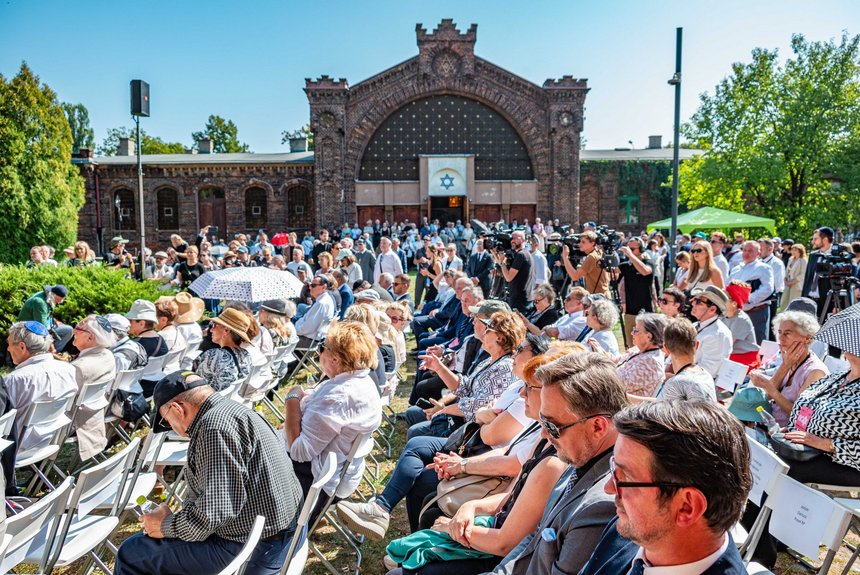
x,y
149,144
303,132
224,135
40,190
79,122
776,137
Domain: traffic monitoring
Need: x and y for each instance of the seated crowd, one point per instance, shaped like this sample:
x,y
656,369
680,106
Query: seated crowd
x,y
550,429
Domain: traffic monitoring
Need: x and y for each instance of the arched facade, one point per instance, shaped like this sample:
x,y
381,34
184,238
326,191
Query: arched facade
x,y
346,121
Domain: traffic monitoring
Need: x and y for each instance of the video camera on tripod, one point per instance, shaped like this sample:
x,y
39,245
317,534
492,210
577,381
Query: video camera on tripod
x,y
607,240
837,266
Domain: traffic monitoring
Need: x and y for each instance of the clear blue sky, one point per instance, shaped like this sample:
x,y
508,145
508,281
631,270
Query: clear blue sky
x,y
247,60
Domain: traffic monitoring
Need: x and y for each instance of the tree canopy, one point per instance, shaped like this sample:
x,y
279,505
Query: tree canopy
x,y
79,122
40,190
303,132
148,144
782,140
224,135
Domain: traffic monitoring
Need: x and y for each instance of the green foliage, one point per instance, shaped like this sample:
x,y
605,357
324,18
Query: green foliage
x,y
224,135
79,122
149,144
303,132
40,190
92,289
777,138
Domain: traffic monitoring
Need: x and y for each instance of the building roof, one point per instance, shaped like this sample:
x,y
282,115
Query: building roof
x,y
648,154
198,159
652,154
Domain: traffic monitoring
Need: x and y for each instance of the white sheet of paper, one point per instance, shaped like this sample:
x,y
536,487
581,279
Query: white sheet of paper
x,y
768,350
800,515
731,375
764,465
835,364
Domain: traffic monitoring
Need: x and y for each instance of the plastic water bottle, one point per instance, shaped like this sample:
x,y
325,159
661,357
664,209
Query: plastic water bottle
x,y
768,420
145,505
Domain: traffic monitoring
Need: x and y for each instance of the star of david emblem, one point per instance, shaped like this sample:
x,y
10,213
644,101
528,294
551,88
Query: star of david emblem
x,y
447,182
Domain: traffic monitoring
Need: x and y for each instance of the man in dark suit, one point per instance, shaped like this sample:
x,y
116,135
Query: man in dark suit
x,y
670,506
479,266
579,508
814,286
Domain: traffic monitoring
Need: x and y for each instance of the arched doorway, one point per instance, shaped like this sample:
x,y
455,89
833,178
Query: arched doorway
x,y
212,209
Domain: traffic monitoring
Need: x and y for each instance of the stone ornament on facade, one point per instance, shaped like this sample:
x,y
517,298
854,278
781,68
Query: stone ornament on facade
x,y
446,64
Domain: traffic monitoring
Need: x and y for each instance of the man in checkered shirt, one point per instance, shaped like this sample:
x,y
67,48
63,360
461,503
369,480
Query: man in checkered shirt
x,y
236,470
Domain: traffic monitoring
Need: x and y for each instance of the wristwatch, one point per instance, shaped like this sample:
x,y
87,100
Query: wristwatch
x,y
294,396
463,463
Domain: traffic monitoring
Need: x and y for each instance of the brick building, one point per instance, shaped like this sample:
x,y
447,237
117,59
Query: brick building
x,y
444,134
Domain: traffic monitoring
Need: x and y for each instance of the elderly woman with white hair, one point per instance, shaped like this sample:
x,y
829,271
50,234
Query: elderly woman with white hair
x,y
93,336
601,317
799,368
642,368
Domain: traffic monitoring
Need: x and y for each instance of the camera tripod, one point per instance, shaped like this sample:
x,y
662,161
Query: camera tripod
x,y
840,296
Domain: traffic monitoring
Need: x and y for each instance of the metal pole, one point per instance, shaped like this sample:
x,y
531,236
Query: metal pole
x,y
140,200
676,81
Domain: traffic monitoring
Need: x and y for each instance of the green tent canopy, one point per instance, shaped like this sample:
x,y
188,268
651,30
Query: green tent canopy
x,y
712,219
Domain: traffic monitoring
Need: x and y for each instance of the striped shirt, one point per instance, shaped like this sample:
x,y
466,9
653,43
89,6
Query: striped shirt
x,y
236,470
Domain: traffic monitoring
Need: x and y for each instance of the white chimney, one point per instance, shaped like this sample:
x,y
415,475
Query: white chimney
x,y
204,146
655,142
126,147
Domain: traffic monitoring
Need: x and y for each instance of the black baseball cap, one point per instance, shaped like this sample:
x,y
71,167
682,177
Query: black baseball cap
x,y
168,388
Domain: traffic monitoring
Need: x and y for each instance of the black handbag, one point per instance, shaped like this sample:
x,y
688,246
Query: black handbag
x,y
129,405
466,441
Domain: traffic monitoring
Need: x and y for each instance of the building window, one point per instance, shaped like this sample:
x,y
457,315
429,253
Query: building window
x,y
628,210
446,125
124,212
255,208
168,209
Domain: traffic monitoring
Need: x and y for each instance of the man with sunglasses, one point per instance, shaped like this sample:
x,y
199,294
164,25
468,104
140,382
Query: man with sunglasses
x,y
400,290
580,394
672,514
315,323
713,337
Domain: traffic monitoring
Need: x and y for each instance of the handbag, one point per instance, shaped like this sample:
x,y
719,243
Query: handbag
x,y
792,451
129,405
466,441
452,493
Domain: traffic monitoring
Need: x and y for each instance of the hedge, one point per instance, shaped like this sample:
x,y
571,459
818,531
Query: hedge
x,y
91,290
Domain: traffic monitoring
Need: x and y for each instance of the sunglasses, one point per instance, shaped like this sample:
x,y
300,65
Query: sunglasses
x,y
665,300
621,485
321,348
396,319
700,301
488,323
697,251
554,430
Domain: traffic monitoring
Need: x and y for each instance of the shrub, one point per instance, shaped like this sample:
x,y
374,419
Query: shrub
x,y
91,290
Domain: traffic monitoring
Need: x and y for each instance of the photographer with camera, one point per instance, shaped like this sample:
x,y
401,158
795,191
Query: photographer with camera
x,y
829,275
118,256
636,285
595,280
517,275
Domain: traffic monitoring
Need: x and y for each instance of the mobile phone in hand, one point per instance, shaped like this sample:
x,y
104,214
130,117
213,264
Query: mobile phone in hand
x,y
424,403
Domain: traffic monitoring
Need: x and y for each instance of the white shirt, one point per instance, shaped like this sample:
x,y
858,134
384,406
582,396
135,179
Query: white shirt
x,y
333,414
387,262
778,268
193,335
571,325
40,378
315,323
607,340
723,264
539,267
757,270
715,344
694,568
294,267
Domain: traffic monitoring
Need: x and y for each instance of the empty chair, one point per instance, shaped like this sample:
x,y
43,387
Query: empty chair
x,y
237,565
30,529
766,468
44,429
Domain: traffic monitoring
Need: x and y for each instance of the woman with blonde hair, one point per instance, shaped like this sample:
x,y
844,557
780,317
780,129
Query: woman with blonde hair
x,y
431,272
325,262
366,314
82,256
703,270
683,261
400,315
795,271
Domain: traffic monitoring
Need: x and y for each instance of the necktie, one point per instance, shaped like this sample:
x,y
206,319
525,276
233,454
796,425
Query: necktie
x,y
638,567
570,482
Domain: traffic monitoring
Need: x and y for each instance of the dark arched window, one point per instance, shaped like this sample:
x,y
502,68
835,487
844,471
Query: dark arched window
x,y
299,207
446,125
255,208
168,209
124,210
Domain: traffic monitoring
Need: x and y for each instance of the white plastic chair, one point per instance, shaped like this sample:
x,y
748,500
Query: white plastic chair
x,y
766,468
127,380
172,361
804,518
45,428
161,453
297,554
138,482
152,371
240,562
7,422
38,523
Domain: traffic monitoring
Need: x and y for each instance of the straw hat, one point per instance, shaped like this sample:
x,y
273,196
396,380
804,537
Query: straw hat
x,y
190,308
235,321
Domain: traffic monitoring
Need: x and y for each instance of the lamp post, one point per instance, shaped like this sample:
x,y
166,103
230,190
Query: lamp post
x,y
140,107
676,82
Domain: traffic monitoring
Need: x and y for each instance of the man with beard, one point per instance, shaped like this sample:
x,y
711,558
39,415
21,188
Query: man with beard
x,y
517,276
40,307
673,516
580,394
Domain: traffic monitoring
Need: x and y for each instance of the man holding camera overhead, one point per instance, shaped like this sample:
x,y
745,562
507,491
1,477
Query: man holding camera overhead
x,y
517,275
595,280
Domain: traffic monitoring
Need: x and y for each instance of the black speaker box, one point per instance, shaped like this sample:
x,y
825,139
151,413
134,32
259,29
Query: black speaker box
x,y
139,98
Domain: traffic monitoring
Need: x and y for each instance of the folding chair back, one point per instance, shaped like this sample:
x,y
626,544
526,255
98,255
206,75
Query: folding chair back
x,y
237,565
44,427
172,360
283,357
94,395
152,371
7,422
127,380
34,526
766,468
103,481
257,379
297,554
804,518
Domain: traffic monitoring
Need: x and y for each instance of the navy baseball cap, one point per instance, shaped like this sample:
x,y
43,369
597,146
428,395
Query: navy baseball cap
x,y
168,388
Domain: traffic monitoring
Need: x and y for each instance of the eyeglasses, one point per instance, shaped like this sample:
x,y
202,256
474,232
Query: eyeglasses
x,y
488,323
635,330
396,318
665,300
554,430
521,348
316,284
531,388
321,348
697,251
620,485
